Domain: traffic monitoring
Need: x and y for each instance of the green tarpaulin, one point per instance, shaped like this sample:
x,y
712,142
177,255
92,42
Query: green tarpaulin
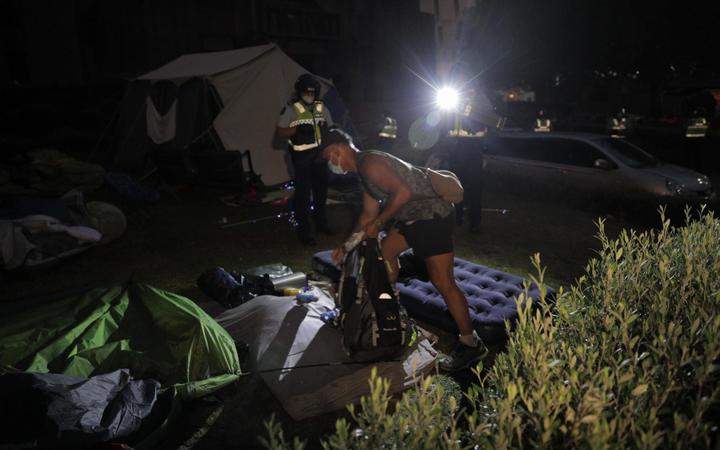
x,y
155,334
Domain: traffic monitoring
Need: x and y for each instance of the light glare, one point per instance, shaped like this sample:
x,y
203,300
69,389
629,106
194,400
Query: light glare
x,y
447,98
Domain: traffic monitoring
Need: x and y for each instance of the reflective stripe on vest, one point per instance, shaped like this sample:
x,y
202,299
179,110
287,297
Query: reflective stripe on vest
x,y
458,130
542,125
389,130
466,134
619,124
697,128
307,121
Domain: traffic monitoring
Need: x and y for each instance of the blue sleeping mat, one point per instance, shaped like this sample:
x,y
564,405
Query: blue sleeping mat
x,y
491,296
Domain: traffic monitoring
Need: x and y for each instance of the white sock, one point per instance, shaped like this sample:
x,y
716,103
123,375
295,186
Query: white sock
x,y
471,340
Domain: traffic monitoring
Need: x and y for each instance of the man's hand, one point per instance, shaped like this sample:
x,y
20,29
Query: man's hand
x,y
371,230
338,254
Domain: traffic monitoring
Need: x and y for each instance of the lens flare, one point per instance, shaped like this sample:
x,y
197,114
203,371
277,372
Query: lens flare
x,y
432,119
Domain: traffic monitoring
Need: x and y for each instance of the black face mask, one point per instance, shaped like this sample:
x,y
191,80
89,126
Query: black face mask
x,y
307,97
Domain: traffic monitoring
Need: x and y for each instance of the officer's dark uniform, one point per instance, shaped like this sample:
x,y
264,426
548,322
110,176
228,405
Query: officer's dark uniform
x,y
467,148
310,170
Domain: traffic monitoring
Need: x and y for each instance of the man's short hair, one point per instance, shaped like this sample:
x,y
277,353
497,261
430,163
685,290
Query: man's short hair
x,y
337,136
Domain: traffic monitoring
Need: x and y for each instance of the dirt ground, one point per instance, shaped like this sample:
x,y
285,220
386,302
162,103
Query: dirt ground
x,y
171,243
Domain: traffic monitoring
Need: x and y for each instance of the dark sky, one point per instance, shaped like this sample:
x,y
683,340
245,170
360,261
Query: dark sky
x,y
541,37
510,41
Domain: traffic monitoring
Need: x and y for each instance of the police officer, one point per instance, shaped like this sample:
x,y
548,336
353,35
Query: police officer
x,y
542,123
465,123
619,124
387,132
696,126
695,130
303,121
467,146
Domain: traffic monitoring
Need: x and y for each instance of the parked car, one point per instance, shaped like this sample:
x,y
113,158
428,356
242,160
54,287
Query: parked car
x,y
595,169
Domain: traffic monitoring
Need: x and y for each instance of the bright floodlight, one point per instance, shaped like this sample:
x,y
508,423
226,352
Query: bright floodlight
x,y
447,98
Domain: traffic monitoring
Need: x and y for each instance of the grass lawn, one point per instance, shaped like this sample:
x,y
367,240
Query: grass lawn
x,y
170,244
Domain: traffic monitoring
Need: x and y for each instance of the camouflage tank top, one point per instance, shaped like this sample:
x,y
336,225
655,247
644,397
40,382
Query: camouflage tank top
x,y
425,203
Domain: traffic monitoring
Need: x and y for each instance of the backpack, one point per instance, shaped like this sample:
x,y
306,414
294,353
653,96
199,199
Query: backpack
x,y
374,324
446,185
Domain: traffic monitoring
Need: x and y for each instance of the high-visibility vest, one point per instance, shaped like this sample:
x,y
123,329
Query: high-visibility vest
x,y
459,130
542,124
389,129
619,124
307,120
697,127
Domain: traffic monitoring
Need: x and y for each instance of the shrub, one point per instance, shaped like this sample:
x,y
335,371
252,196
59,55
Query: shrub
x,y
628,357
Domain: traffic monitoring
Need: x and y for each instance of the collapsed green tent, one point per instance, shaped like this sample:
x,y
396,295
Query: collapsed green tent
x,y
155,334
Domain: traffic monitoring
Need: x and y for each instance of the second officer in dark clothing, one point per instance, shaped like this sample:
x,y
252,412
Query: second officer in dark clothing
x,y
303,122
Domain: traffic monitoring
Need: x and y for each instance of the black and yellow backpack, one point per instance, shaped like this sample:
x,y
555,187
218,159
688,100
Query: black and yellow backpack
x,y
375,325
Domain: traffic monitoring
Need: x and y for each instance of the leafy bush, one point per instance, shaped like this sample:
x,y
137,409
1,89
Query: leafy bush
x,y
628,357
420,419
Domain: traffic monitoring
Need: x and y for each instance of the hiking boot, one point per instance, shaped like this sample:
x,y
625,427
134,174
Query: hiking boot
x,y
463,356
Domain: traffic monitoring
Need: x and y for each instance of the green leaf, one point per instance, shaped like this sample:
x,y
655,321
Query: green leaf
x,y
591,418
640,389
625,378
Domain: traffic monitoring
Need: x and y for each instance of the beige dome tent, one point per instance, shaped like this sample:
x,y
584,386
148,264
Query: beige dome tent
x,y
232,97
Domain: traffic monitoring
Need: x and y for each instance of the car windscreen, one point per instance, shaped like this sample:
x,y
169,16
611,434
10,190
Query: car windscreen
x,y
630,154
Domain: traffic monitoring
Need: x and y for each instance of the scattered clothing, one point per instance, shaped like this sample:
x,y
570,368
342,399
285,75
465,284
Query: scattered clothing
x,y
39,223
160,127
31,235
230,289
62,411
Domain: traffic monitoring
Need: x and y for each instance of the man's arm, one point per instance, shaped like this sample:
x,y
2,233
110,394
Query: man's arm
x,y
370,211
378,171
283,128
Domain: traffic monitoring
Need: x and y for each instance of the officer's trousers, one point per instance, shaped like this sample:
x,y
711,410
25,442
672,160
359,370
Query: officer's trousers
x,y
310,182
466,161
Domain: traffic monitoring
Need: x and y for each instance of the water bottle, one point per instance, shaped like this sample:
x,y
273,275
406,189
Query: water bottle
x,y
290,291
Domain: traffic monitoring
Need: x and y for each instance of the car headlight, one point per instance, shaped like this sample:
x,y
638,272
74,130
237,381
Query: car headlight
x,y
674,187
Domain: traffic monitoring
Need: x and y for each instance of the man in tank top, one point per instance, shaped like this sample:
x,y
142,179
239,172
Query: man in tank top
x,y
398,196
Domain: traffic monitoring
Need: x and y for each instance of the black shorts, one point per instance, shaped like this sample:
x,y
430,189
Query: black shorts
x,y
429,237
